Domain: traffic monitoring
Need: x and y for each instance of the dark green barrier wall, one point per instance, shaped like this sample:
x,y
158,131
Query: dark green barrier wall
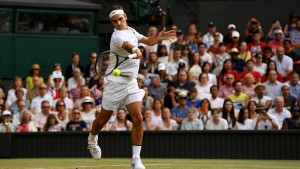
x,y
19,52
180,144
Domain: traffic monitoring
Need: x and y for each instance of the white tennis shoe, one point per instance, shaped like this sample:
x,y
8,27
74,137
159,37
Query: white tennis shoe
x,y
136,163
95,150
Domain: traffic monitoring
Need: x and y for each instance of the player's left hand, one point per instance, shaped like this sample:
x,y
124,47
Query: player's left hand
x,y
164,35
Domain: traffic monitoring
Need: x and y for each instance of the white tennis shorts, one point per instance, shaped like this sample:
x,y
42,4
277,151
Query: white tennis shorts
x,y
121,93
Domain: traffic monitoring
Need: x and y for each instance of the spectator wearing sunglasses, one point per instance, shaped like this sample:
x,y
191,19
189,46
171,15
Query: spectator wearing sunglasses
x,y
43,95
76,124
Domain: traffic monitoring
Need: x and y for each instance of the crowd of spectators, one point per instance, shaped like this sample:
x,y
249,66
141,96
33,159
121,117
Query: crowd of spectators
x,y
242,80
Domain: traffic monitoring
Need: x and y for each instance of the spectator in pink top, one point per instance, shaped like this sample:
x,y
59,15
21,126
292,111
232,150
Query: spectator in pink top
x,y
277,41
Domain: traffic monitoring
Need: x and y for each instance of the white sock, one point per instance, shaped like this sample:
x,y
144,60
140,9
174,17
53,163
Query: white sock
x,y
92,138
136,150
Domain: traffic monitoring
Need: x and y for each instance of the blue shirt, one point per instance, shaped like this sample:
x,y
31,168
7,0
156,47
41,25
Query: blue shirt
x,y
178,113
295,90
195,103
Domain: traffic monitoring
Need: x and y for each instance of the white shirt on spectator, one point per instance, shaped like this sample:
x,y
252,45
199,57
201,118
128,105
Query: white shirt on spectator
x,y
206,58
266,125
280,116
212,79
246,126
222,125
68,102
89,117
172,67
216,103
11,96
196,124
72,83
263,100
40,120
37,101
161,125
155,119
261,69
273,90
204,92
208,39
283,66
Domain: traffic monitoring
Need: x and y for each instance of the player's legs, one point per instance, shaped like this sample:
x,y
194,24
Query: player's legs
x,y
98,124
135,110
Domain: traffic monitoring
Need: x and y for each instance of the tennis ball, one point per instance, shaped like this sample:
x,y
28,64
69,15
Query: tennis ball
x,y
116,72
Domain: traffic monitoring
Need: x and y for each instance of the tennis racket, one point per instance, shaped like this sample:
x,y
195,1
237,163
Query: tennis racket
x,y
102,62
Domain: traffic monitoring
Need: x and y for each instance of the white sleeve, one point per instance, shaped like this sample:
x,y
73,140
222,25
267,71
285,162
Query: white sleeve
x,y
290,65
118,40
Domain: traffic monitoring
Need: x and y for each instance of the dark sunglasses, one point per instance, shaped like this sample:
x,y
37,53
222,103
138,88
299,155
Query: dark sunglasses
x,y
43,88
76,113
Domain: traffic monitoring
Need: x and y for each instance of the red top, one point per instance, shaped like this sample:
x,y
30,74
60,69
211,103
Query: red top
x,y
255,74
222,76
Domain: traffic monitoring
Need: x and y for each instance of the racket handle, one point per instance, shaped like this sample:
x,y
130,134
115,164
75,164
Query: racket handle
x,y
132,56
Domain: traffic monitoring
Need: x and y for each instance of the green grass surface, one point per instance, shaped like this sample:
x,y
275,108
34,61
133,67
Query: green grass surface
x,y
110,163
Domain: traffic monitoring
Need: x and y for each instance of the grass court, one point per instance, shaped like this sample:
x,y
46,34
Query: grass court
x,y
122,163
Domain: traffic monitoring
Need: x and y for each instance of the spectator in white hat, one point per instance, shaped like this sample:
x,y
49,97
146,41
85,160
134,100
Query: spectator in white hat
x,y
235,41
277,41
227,37
6,126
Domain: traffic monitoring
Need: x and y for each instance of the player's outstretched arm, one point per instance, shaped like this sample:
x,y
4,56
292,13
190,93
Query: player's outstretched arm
x,y
163,35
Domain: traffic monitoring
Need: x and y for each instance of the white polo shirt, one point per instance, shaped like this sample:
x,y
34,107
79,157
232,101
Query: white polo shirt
x,y
131,66
37,101
216,103
283,66
280,117
172,67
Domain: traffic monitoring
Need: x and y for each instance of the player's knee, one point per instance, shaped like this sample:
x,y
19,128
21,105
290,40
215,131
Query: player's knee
x,y
137,119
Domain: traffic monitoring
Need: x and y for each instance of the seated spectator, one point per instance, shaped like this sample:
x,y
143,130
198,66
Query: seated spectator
x,y
204,56
238,98
183,84
121,123
191,122
88,111
144,71
76,124
248,85
153,63
26,125
170,99
164,79
277,41
19,96
243,52
84,92
167,122
89,71
97,90
53,90
162,53
94,79
250,69
11,95
238,64
291,25
243,123
259,65
56,71
289,50
206,68
289,101
215,101
147,100
190,37
267,52
252,109
227,69
228,36
294,121
156,90
256,46
172,66
253,27
228,113
261,97
62,92
235,36
216,122
227,88
294,84
273,87
148,123
271,66
275,27
75,64
75,92
220,58
204,112
36,102
185,54
34,92
294,35
156,113
6,126
52,124
17,115
208,37
61,114
193,101
203,88
140,80
73,81
284,63
265,121
41,117
279,112
34,71
194,68
180,112
214,49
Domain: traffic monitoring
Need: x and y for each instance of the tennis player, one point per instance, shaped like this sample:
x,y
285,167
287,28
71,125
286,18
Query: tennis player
x,y
124,89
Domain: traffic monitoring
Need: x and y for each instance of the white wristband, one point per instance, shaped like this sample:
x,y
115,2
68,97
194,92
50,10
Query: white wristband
x,y
134,49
